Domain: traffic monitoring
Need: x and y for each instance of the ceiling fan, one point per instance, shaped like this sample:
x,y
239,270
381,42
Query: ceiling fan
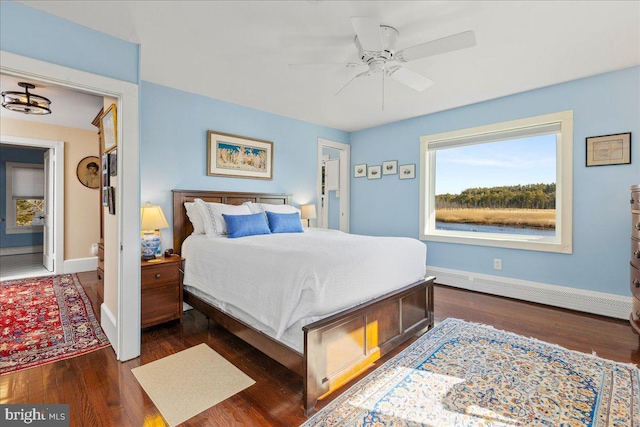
x,y
376,49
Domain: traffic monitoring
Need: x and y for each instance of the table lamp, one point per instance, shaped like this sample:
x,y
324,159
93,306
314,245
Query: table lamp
x,y
308,212
151,221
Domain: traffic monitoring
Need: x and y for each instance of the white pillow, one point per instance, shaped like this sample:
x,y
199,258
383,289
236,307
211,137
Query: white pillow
x,y
214,223
194,216
263,207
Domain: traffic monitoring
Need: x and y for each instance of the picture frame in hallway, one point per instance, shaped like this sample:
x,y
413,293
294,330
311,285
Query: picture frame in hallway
x,y
608,150
88,173
111,193
105,196
113,163
390,167
374,172
105,170
407,171
109,129
360,171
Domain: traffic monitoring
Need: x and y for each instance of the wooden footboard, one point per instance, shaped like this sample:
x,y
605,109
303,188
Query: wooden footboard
x,y
340,347
336,349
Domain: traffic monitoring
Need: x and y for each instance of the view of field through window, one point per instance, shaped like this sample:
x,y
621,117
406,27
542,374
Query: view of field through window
x,y
498,187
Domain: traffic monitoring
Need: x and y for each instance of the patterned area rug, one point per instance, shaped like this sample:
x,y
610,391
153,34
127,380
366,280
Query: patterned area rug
x,y
45,319
465,374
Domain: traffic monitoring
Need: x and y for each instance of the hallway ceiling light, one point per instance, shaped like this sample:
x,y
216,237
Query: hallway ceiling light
x,y
25,102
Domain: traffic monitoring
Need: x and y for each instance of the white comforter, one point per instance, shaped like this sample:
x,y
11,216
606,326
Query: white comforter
x,y
281,279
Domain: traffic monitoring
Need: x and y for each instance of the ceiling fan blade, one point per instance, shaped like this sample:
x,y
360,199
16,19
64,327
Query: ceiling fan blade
x,y
368,31
342,89
409,78
327,65
436,47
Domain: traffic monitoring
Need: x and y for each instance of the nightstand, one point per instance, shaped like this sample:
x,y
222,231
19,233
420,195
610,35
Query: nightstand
x,y
161,290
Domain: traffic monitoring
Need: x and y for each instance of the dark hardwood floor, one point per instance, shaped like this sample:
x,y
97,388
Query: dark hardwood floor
x,y
103,392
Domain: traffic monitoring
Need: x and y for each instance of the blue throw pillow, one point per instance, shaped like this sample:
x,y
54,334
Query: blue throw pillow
x,y
284,223
246,225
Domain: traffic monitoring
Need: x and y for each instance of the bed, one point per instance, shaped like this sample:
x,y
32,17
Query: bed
x,y
328,347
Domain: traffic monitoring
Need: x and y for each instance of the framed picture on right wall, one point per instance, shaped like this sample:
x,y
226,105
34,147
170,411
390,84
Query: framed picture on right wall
x,y
407,171
609,149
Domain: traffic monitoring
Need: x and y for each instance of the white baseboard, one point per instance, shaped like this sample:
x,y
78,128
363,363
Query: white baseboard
x,y
19,250
80,264
601,303
108,323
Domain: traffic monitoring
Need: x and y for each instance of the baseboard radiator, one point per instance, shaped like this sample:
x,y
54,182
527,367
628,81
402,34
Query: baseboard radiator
x,y
601,303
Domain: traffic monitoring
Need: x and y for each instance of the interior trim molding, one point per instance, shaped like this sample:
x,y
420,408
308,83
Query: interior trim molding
x,y
80,264
109,326
20,250
593,302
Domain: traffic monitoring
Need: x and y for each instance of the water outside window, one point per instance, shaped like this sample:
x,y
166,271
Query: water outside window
x,y
506,187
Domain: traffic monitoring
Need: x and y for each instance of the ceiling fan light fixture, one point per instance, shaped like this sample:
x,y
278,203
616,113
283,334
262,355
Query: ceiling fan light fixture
x,y
25,102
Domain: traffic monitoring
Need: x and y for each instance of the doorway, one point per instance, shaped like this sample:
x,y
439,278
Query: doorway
x,y
122,321
45,252
334,159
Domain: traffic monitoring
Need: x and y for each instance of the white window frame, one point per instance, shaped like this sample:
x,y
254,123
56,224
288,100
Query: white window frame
x,y
562,242
12,227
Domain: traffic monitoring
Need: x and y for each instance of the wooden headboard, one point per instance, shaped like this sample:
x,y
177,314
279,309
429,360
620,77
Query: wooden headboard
x,y
182,226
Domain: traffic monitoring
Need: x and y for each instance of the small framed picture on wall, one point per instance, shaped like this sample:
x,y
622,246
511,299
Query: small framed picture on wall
x,y
407,171
111,194
374,172
360,171
113,163
390,167
105,170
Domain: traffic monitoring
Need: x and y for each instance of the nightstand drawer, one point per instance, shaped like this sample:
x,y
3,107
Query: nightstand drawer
x,y
634,281
160,274
160,305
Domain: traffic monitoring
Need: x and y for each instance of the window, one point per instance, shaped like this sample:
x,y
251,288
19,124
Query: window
x,y
507,184
25,198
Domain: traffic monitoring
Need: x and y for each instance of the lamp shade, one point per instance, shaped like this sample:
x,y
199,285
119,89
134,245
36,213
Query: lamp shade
x,y
152,218
308,212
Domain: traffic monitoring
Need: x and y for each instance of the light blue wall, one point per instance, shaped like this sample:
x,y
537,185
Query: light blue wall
x,y
18,155
173,149
603,104
30,32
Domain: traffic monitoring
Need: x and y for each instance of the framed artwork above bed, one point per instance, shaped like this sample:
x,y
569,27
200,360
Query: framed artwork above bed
x,y
237,156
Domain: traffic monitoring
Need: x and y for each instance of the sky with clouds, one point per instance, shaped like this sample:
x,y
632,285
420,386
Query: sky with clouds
x,y
521,161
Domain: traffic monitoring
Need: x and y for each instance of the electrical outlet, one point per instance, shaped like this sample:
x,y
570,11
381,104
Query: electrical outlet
x,y
497,264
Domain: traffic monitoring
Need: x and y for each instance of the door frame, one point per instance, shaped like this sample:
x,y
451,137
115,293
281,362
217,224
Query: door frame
x,y
345,178
56,148
123,327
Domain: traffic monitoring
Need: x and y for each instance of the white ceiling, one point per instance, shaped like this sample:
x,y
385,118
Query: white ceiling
x,y
239,51
68,108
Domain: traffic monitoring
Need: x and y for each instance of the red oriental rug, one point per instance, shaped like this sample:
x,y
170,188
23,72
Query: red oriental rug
x,y
45,319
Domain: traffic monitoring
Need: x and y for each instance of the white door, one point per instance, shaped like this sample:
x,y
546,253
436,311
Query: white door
x,y
48,250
